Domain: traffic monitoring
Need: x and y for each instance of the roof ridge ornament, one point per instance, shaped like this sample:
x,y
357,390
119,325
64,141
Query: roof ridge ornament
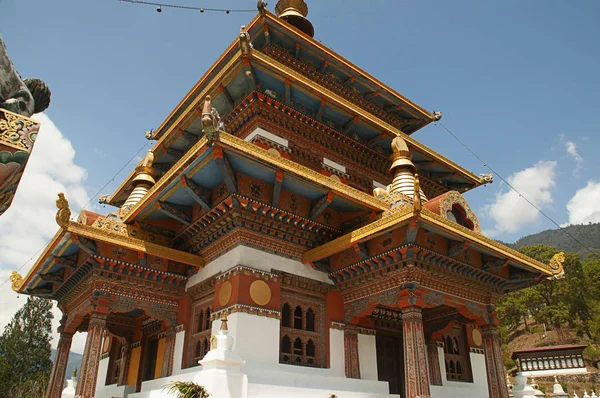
x,y
63,215
17,281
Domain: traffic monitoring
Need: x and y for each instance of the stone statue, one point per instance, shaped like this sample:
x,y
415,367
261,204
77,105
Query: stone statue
x,y
245,43
24,97
262,7
211,121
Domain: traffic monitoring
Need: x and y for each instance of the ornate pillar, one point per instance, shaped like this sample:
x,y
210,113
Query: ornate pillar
x,y
86,386
125,352
415,362
167,365
59,368
351,352
493,363
435,372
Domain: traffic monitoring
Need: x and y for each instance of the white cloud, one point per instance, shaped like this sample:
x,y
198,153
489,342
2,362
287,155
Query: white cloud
x,y
572,151
584,206
509,211
30,221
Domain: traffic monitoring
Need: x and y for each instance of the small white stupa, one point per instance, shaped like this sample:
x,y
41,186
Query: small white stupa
x,y
522,389
594,395
69,391
586,395
222,367
558,391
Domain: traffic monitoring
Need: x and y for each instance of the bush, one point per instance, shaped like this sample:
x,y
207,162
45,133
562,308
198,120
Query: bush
x,y
187,389
592,353
509,364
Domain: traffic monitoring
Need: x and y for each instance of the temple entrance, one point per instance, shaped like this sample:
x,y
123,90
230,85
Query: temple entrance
x,y
390,360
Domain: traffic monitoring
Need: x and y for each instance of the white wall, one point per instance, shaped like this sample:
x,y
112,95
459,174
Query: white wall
x,y
243,255
178,354
453,389
102,371
337,365
256,338
367,356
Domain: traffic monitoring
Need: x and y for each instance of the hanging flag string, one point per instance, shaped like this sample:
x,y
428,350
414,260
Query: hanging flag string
x,y
160,6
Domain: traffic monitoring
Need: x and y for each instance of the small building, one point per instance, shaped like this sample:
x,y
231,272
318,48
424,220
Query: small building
x,y
550,361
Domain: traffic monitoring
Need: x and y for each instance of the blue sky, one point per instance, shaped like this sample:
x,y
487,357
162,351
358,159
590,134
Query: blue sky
x,y
518,81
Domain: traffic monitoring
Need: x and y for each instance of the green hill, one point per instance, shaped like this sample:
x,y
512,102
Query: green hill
x,y
588,235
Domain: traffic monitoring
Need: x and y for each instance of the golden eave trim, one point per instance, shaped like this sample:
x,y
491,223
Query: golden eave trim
x,y
350,66
364,115
128,242
485,242
199,97
368,231
166,179
302,171
404,214
256,152
47,251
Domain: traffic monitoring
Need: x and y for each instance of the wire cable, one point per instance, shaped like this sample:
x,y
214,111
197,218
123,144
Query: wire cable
x,y
84,206
485,164
201,9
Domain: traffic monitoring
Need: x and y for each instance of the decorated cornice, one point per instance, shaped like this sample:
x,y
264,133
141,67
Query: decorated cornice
x,y
17,131
246,309
331,81
339,59
354,109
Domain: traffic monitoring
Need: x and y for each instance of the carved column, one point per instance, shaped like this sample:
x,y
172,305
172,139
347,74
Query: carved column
x,y
167,365
59,368
86,386
351,352
415,361
493,363
124,365
435,372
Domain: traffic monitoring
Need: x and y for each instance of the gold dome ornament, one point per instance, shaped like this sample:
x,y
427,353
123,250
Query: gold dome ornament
x,y
294,12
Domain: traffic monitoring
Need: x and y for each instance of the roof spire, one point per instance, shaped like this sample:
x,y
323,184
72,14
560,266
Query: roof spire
x,y
294,12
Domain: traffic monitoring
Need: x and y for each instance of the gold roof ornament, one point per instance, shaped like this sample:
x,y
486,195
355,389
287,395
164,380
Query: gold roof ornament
x,y
417,195
557,265
224,322
63,215
401,156
145,172
294,12
17,281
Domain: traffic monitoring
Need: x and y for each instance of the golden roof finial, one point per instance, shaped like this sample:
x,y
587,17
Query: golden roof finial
x,y
224,321
63,215
294,12
17,281
74,373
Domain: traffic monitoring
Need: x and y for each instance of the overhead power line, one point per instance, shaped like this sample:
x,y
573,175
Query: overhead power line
x,y
112,179
485,164
160,6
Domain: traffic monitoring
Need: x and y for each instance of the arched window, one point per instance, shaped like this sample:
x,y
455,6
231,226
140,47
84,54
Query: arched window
x,y
310,320
198,349
310,348
208,322
451,367
298,347
286,316
455,349
298,318
458,368
448,345
286,345
200,324
206,347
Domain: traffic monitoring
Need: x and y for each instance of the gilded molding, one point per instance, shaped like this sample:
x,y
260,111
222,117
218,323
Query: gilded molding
x,y
277,21
364,115
302,171
135,244
167,178
246,309
448,225
454,197
400,215
17,131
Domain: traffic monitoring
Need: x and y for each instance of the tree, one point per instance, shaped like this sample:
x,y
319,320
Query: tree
x,y
25,350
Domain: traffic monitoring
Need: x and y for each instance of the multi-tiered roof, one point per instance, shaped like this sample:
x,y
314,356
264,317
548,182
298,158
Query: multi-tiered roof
x,y
289,166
